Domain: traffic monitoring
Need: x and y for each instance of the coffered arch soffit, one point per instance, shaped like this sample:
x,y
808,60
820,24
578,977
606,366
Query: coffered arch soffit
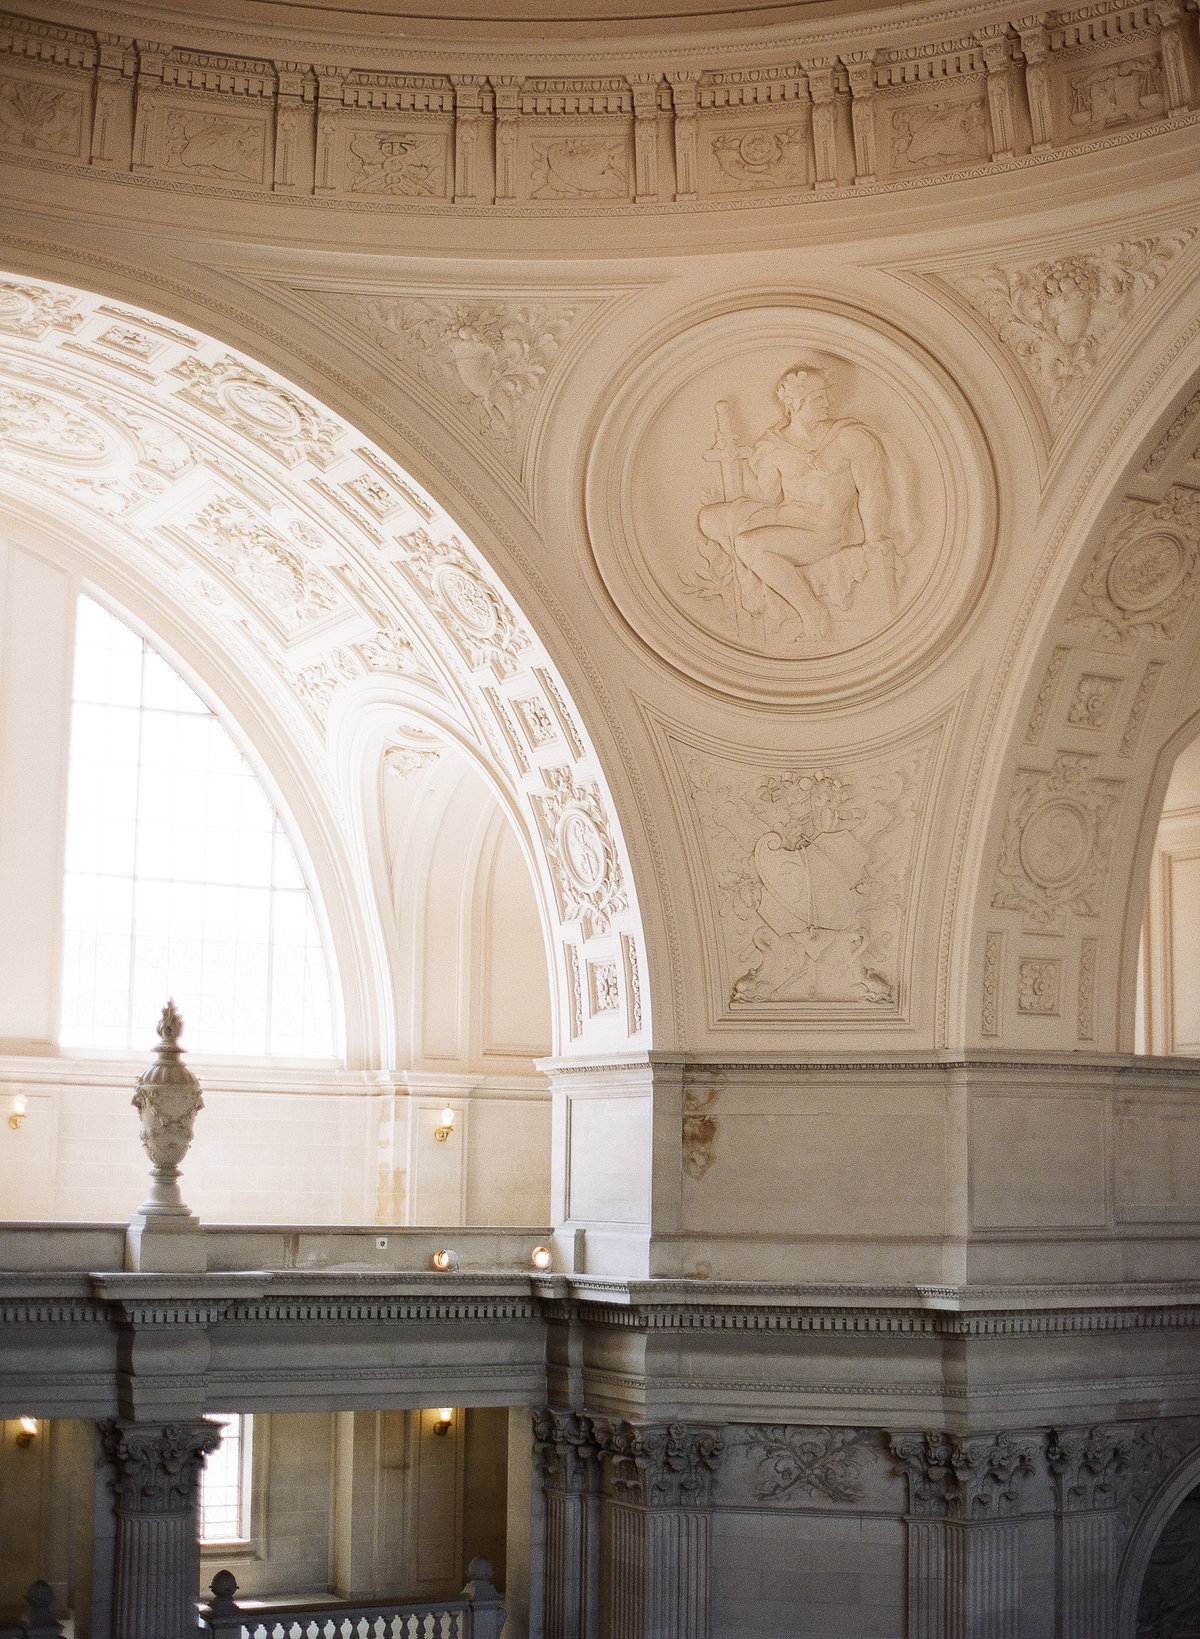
x,y
334,583
1096,696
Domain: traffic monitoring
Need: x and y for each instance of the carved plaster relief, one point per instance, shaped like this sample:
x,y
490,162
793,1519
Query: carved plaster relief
x,y
777,501
588,878
41,118
579,167
761,156
604,988
400,163
812,869
261,562
1058,835
990,1000
1045,695
931,135
1058,316
1143,579
488,359
276,419
1141,703
483,626
702,1089
31,310
1039,985
1093,701
803,1465
198,143
1116,93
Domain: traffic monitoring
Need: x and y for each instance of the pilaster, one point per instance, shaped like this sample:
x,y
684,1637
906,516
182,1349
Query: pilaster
x,y
156,1470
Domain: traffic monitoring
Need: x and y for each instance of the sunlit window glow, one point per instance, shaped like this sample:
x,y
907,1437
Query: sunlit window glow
x,y
225,1483
180,879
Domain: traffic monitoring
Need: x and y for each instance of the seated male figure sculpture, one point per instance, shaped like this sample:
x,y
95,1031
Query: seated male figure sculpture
x,y
816,511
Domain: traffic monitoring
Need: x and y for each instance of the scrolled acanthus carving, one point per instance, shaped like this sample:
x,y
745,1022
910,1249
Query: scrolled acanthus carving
x,y
819,1463
669,1466
156,1466
588,879
1090,1465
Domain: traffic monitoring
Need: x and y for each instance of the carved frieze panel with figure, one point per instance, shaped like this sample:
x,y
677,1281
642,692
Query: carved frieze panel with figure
x,y
781,503
810,869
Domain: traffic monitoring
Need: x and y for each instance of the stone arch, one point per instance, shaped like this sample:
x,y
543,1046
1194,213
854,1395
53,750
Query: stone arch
x,y
1097,703
1145,1536
321,569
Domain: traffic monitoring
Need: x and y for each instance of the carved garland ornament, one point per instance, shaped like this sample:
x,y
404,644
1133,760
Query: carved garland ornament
x,y
1058,834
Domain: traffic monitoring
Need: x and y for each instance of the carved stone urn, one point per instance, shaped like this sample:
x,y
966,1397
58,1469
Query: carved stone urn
x,y
163,1235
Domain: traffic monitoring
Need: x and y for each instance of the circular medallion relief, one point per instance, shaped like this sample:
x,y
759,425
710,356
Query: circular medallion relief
x,y
787,502
1146,571
1055,843
467,599
582,848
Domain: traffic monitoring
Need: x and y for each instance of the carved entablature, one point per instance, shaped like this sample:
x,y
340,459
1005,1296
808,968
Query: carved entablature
x,y
538,137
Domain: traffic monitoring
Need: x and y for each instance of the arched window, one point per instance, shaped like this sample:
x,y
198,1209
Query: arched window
x,y
180,879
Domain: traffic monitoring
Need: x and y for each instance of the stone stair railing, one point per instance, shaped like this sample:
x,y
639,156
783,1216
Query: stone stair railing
x,y
477,1613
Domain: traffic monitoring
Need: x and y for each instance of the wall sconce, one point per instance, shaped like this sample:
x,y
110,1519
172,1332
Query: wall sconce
x,y
541,1257
29,1429
443,1132
20,1106
441,1423
445,1260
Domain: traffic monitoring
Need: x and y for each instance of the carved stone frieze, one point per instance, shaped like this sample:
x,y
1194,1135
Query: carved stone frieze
x,y
812,870
965,1478
1058,316
579,167
1142,581
633,982
669,1466
1058,835
41,118
156,1467
588,878
758,157
989,1005
702,1089
1090,1465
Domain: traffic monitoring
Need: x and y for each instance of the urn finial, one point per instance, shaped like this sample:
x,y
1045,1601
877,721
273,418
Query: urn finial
x,y
168,1099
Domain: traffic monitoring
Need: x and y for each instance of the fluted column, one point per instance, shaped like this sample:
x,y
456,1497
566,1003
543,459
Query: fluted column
x,y
658,1483
964,1566
1089,1466
568,1458
156,1469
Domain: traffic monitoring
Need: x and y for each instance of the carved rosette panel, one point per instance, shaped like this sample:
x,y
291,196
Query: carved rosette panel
x,y
588,878
1142,581
1058,316
1058,835
811,878
787,503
